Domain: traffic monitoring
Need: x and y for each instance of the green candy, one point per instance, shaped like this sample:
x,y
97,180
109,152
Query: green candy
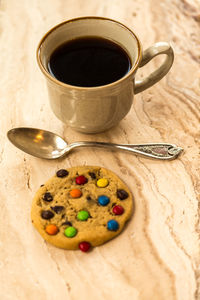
x,y
70,231
82,215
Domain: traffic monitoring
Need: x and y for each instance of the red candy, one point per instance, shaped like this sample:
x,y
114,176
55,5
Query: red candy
x,y
118,210
84,246
81,179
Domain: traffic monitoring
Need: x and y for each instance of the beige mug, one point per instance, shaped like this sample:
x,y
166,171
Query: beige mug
x,y
96,109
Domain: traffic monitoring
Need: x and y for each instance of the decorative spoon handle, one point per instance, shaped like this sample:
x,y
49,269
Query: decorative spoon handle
x,y
157,150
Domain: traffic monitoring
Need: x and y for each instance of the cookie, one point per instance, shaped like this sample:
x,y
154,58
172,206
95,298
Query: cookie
x,y
81,207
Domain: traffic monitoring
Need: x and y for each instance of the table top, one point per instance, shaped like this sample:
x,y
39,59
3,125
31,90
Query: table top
x,y
157,255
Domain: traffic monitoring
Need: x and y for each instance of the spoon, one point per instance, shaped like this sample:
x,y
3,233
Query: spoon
x,y
48,145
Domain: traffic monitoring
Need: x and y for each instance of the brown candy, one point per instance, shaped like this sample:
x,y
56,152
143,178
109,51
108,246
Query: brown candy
x,y
47,214
92,175
57,208
62,173
48,197
122,194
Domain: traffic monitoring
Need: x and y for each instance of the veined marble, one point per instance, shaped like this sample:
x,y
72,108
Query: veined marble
x,y
158,255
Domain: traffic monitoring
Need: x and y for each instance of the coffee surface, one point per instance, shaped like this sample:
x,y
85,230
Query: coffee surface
x,y
89,62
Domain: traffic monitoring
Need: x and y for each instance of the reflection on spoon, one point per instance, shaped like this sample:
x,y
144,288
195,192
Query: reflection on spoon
x,y
48,145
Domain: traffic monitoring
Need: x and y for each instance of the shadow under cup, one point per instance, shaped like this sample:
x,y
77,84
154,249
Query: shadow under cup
x,y
90,109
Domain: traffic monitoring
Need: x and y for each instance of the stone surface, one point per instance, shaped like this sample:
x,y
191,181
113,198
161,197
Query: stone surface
x,y
157,256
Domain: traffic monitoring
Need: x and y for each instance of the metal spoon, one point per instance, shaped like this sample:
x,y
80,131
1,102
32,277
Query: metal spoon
x,y
45,144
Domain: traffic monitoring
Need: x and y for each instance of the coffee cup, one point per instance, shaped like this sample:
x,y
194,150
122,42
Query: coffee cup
x,y
96,108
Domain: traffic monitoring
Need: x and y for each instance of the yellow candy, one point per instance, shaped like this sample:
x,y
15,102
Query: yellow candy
x,y
103,182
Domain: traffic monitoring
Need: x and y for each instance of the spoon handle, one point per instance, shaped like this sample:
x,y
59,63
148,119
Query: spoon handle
x,y
158,150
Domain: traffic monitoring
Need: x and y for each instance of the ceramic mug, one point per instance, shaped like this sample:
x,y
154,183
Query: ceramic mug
x,y
96,109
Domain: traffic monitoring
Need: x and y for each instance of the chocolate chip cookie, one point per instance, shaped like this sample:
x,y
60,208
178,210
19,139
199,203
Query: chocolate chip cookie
x,y
81,207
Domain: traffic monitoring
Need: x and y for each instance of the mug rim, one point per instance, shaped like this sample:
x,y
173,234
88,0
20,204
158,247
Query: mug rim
x,y
49,76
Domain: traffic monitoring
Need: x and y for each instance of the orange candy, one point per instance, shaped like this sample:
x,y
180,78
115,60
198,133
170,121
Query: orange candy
x,y
51,229
75,193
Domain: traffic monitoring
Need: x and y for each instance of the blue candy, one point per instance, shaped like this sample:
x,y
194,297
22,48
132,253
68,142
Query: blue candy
x,y
112,225
103,200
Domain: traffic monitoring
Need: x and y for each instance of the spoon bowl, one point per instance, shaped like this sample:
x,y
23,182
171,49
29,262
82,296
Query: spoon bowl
x,y
38,142
48,145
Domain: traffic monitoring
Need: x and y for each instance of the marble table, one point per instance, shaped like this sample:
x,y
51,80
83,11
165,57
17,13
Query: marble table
x,y
158,255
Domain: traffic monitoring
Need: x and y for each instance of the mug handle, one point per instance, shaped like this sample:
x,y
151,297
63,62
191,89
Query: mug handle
x,y
151,52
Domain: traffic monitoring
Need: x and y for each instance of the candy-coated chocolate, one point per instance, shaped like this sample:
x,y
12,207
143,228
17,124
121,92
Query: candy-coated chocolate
x,y
122,194
103,200
92,175
118,210
102,182
51,229
75,193
81,179
47,214
48,197
83,215
70,231
62,173
112,225
57,208
84,246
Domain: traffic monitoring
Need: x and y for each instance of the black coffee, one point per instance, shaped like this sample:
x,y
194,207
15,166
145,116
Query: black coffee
x,y
89,62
